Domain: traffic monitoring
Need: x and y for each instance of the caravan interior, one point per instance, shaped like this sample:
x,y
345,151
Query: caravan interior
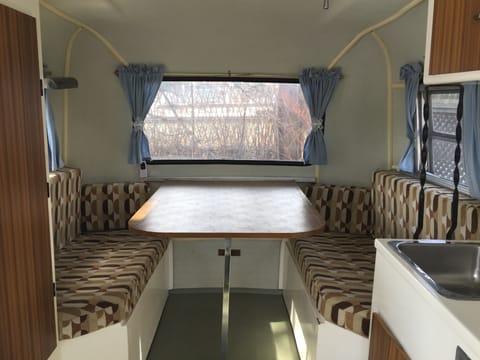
x,y
240,179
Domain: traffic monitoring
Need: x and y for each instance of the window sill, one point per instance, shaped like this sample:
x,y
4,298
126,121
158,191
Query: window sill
x,y
227,162
230,178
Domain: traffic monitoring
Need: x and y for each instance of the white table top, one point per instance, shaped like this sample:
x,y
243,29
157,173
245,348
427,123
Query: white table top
x,y
227,209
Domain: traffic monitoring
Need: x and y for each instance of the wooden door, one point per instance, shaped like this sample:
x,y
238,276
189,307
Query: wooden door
x,y
455,43
27,325
383,344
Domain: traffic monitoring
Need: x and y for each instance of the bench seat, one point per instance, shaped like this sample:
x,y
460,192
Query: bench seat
x,y
100,277
337,269
101,268
337,265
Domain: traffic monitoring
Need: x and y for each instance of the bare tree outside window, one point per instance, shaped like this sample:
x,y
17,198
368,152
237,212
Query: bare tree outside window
x,y
218,120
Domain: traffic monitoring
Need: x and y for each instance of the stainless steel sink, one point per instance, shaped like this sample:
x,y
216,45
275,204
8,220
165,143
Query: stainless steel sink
x,y
451,268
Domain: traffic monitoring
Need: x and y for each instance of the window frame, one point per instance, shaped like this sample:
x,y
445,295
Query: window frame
x,y
281,80
432,178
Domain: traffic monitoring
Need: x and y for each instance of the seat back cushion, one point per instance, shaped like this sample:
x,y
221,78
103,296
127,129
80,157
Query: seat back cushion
x,y
65,184
345,209
109,206
395,203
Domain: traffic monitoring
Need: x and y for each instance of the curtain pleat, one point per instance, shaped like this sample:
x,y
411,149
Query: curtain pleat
x,y
471,137
141,84
411,74
318,86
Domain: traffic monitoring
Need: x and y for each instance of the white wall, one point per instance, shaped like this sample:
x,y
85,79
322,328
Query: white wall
x,y
405,39
99,125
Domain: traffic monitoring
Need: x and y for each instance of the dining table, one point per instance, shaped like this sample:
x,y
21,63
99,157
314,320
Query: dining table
x,y
227,210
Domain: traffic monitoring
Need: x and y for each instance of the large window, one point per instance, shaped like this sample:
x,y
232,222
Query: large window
x,y
228,121
441,142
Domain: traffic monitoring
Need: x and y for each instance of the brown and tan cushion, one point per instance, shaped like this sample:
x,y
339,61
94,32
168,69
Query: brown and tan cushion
x,y
65,186
468,227
343,208
100,277
395,203
110,206
338,273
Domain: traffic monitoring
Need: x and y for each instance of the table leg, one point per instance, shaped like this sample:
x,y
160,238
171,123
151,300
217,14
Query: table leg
x,y
226,298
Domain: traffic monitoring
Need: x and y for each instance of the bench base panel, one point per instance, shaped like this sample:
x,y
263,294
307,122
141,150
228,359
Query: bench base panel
x,y
197,264
130,340
316,338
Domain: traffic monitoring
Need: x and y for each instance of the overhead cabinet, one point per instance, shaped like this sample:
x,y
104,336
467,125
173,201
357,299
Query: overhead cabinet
x,y
453,41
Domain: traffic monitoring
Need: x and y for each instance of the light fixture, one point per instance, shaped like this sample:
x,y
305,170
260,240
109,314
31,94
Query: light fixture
x,y
57,83
326,4
63,83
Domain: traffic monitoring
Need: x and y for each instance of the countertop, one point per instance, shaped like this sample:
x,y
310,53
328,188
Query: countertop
x,y
462,316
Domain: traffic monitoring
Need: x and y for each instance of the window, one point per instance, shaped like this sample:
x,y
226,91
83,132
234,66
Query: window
x,y
234,121
441,142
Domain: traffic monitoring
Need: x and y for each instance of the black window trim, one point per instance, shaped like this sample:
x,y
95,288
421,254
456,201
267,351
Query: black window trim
x,y
226,162
435,179
285,80
281,80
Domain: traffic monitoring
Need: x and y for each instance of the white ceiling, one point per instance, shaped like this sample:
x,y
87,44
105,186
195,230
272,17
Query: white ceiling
x,y
350,14
274,30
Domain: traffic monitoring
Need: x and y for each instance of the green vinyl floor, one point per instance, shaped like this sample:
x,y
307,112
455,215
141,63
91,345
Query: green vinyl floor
x,y
191,322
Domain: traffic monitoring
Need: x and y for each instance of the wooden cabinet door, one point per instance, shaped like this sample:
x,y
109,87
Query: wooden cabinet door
x,y
455,44
27,325
383,344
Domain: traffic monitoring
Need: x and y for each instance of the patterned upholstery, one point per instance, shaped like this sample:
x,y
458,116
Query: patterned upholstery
x,y
337,265
110,206
338,273
395,203
100,277
65,186
344,209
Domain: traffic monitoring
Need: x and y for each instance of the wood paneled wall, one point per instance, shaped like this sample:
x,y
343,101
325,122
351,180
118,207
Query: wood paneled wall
x,y
383,344
27,325
455,37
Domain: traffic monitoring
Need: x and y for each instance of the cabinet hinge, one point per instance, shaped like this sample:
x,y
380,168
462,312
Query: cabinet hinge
x,y
41,87
54,289
48,190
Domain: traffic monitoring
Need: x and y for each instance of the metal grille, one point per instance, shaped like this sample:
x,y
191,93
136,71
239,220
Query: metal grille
x,y
444,120
443,160
442,143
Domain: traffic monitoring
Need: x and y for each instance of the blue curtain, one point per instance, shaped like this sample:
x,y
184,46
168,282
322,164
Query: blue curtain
x,y
318,86
471,136
411,74
141,84
54,157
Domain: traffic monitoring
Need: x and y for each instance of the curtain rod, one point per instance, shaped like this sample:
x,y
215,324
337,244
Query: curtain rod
x,y
229,74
